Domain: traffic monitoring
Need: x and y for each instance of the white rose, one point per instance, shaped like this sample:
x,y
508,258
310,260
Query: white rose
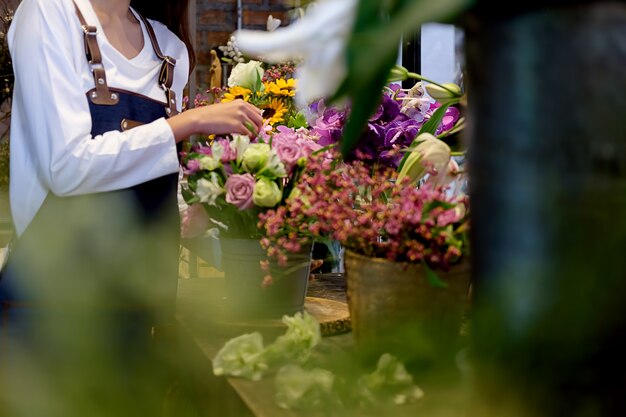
x,y
246,75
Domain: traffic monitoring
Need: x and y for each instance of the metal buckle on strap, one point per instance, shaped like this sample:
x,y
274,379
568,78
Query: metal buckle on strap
x,y
169,60
90,30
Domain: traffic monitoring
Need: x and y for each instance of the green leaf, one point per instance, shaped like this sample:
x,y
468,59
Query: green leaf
x,y
297,121
408,151
324,149
258,83
187,194
435,120
432,277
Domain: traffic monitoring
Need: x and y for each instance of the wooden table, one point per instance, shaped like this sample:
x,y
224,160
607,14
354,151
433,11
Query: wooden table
x,y
202,335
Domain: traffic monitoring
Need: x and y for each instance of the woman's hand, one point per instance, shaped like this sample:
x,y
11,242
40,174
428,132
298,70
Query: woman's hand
x,y
217,119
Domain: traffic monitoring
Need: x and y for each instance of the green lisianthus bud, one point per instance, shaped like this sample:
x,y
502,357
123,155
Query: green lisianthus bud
x,y
266,193
302,162
256,157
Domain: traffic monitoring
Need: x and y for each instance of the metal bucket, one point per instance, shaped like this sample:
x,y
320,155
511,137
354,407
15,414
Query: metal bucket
x,y
246,295
395,309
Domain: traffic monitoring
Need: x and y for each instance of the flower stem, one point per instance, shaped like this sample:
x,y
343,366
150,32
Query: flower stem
x,y
422,78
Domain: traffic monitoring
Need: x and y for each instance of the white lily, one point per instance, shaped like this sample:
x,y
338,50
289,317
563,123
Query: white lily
x,y
273,23
430,154
318,39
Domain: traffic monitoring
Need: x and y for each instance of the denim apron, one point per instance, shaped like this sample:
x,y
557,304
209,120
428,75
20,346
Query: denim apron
x,y
101,267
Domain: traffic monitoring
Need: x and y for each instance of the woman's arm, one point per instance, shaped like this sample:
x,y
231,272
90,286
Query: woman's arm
x,y
222,118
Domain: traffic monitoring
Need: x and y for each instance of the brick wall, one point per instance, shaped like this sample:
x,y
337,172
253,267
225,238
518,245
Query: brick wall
x,y
217,19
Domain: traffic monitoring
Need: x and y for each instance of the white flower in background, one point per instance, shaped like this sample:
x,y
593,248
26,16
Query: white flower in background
x,y
431,155
273,23
453,179
318,39
209,190
302,388
246,75
231,51
241,357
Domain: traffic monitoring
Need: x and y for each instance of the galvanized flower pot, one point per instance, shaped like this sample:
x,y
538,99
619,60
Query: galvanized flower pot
x,y
395,309
247,298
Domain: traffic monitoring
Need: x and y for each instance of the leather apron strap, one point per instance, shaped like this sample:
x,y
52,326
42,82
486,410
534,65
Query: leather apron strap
x,y
166,76
101,94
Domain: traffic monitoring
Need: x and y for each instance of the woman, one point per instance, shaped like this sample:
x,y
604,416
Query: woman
x,y
95,125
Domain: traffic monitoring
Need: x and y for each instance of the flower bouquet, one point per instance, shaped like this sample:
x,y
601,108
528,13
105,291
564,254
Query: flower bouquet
x,y
235,179
390,205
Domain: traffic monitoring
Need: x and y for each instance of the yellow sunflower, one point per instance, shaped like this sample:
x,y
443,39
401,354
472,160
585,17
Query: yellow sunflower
x,y
274,111
235,93
282,87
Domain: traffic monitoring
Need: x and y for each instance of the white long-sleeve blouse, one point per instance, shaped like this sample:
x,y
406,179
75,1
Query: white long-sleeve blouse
x,y
52,149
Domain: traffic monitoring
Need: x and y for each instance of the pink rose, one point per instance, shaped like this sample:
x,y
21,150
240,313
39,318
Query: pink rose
x,y
288,151
239,189
308,146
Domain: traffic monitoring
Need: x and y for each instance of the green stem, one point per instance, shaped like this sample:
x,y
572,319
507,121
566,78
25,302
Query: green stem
x,y
422,78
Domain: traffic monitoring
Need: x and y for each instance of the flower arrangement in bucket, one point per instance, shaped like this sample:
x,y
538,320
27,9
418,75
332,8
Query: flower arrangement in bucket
x,y
235,180
397,204
230,181
406,248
